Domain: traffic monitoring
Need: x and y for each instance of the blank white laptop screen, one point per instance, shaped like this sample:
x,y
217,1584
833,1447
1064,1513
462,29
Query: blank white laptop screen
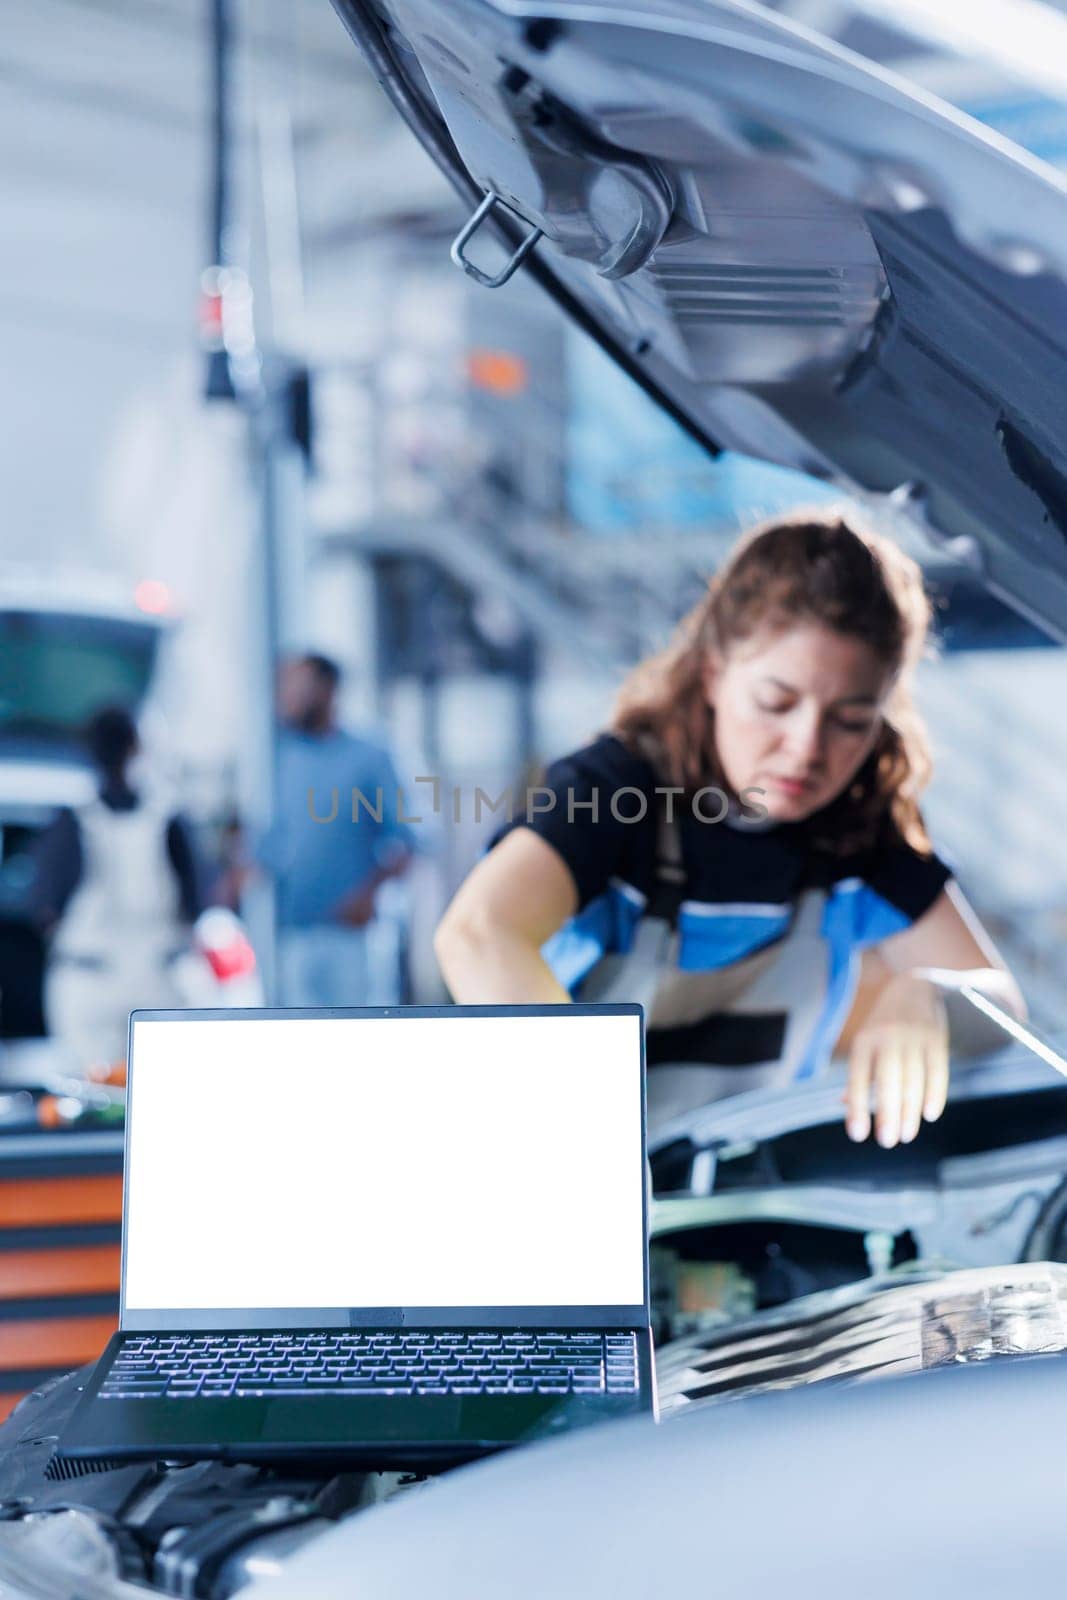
x,y
385,1162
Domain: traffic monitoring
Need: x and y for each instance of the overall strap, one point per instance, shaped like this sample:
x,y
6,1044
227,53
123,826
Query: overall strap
x,y
669,887
653,949
636,975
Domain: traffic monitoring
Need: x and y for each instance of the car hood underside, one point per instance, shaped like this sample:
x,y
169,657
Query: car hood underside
x,y
799,255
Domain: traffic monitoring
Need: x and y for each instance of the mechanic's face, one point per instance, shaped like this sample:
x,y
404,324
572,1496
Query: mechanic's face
x,y
797,711
304,700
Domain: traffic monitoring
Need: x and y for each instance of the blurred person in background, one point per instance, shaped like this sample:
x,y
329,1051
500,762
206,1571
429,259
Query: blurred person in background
x,y
117,886
329,853
805,923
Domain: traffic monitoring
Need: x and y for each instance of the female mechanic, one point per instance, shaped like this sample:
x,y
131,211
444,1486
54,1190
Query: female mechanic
x,y
743,851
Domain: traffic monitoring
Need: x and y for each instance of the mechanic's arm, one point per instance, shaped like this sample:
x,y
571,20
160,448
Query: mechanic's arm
x,y
394,845
356,908
184,859
488,942
899,1047
56,856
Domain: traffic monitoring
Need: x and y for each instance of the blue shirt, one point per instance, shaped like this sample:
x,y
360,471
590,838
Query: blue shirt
x,y
339,806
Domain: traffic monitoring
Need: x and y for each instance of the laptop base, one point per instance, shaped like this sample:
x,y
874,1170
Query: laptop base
x,y
393,1432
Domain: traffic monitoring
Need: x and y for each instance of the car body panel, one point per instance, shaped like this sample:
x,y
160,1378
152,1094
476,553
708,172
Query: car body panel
x,y
759,1115
945,1484
804,258
880,1327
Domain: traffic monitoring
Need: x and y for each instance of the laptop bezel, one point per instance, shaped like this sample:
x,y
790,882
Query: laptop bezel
x,y
330,1317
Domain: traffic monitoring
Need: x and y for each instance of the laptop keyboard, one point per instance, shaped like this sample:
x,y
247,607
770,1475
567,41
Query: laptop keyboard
x,y
194,1365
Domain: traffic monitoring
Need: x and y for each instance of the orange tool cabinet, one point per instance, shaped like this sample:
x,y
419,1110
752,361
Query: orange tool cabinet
x,y
60,1234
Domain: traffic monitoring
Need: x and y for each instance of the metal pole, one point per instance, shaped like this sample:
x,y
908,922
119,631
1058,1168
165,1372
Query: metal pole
x,y
260,903
220,128
235,373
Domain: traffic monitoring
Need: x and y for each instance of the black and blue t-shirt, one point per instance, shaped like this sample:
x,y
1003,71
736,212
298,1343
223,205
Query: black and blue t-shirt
x,y
741,938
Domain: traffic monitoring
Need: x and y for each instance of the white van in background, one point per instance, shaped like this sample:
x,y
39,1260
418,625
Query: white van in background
x,y
70,642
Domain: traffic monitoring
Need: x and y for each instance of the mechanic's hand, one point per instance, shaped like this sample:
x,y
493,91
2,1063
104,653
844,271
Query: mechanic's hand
x,y
355,910
901,1053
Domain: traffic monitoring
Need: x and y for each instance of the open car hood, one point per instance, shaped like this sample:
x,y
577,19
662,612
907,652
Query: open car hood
x,y
797,254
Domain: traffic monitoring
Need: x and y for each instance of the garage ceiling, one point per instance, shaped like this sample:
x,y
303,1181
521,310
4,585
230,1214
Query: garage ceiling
x,y
104,110
103,117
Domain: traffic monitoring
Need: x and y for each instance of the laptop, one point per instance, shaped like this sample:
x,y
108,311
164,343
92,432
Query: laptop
x,y
394,1237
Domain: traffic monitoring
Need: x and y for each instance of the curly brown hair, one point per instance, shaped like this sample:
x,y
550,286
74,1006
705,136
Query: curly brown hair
x,y
813,566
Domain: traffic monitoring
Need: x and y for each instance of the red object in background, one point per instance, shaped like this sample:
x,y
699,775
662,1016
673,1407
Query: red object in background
x,y
210,313
152,597
232,961
222,941
499,371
